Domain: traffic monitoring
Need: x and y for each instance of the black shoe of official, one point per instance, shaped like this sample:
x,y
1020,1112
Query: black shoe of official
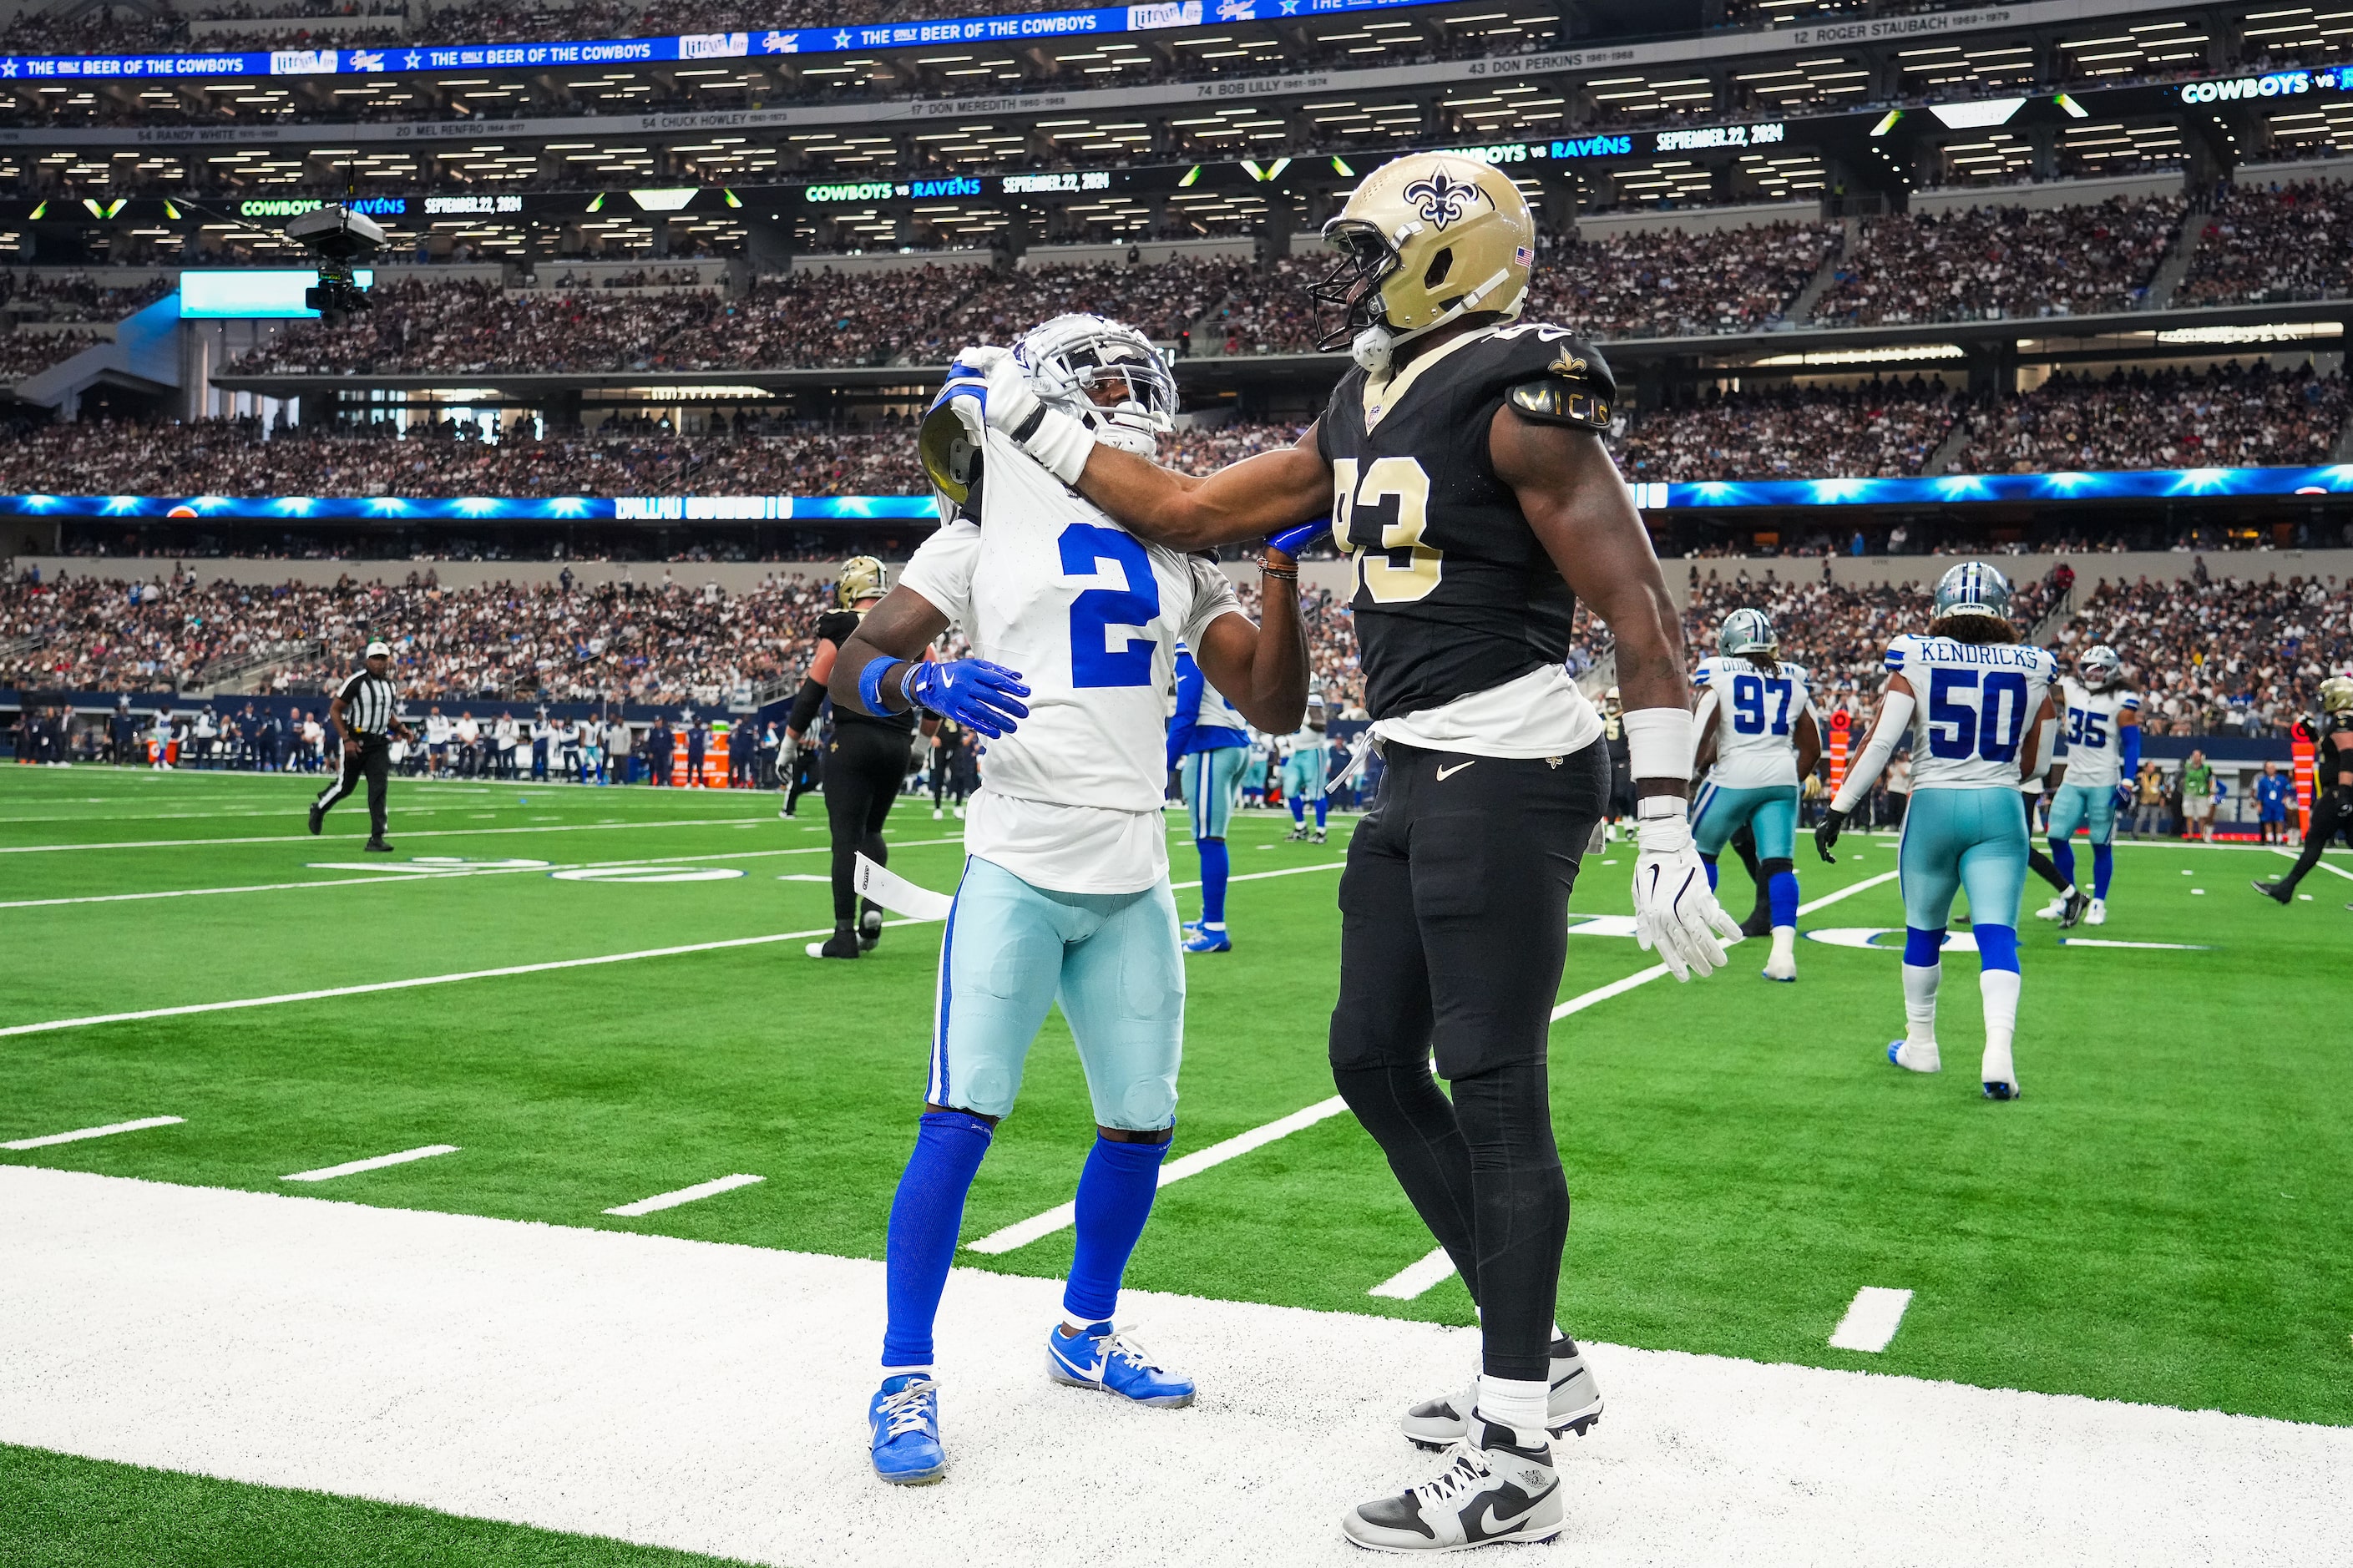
x,y
2279,891
318,820
842,943
377,846
1758,923
2073,913
869,930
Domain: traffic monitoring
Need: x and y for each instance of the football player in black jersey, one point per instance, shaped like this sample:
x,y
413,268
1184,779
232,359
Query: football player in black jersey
x,y
2332,780
1461,467
865,764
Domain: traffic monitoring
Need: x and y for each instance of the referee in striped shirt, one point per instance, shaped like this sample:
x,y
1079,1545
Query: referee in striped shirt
x,y
362,711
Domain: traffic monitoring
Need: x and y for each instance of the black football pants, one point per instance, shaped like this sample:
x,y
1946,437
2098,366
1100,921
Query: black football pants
x,y
1453,928
2332,814
372,761
864,766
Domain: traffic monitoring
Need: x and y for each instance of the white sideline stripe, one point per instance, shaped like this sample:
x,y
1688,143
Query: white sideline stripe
x,y
376,1162
1644,976
1053,1219
660,1201
109,1131
1872,1319
426,832
2322,862
1262,876
1416,1279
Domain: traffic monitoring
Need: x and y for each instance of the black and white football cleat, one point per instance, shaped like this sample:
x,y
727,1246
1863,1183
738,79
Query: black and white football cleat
x,y
1574,1406
1500,1486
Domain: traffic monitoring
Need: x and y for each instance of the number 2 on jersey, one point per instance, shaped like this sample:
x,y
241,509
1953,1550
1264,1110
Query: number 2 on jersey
x,y
1093,661
1399,480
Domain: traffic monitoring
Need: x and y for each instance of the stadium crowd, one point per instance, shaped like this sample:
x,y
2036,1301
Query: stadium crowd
x,y
30,353
42,296
1880,429
2228,419
2217,655
2268,243
2002,261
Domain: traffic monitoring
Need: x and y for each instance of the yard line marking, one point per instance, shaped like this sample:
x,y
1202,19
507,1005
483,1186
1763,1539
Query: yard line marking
x,y
1262,876
109,1131
377,1163
1871,1319
1644,976
1416,1279
428,832
660,1201
1053,1219
2322,862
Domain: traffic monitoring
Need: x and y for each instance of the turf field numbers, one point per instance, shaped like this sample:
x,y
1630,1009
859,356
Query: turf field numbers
x,y
1871,1319
110,1129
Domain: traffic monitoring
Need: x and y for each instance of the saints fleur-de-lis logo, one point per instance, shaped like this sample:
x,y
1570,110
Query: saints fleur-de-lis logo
x,y
1441,199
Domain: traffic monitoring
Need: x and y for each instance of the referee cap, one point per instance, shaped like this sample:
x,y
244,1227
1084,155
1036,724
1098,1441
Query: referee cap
x,y
378,645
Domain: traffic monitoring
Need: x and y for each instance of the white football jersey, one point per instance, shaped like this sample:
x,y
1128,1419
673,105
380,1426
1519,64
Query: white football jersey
x,y
2092,726
1756,718
1305,739
1975,704
1091,617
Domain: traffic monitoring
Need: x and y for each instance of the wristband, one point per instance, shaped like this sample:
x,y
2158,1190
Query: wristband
x,y
1267,569
869,684
1659,743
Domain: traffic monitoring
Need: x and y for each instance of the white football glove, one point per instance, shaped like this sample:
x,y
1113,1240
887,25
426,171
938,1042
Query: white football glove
x,y
1060,443
1676,911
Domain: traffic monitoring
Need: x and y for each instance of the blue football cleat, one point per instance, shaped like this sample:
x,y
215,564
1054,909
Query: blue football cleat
x,y
1206,940
905,1416
2001,1091
1101,1357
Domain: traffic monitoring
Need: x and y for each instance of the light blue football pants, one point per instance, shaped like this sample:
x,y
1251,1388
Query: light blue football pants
x,y
1304,773
1110,959
1962,839
1211,780
2083,805
1771,814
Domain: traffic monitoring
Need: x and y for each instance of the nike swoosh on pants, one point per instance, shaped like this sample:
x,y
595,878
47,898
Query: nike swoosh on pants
x,y
1449,773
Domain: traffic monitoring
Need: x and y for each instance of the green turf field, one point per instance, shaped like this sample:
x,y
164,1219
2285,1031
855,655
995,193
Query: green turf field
x,y
2160,1219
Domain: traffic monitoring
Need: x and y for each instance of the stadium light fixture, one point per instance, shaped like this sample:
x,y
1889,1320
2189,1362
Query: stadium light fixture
x,y
1887,123
1976,116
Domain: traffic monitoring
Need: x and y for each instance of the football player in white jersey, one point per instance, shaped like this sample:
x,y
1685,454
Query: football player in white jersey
x,y
1982,703
1306,769
2098,754
1074,624
1208,742
1756,717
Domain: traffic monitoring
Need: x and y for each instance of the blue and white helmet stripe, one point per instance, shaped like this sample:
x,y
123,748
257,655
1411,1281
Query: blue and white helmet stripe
x,y
2100,666
1744,632
1972,588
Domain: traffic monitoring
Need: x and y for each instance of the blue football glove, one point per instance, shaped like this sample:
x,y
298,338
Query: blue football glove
x,y
981,696
1291,540
2124,795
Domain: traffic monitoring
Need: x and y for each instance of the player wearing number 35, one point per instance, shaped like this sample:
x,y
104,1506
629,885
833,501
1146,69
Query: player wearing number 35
x,y
1075,624
1979,706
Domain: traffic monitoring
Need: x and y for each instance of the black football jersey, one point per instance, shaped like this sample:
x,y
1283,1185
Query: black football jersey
x,y
838,626
1454,593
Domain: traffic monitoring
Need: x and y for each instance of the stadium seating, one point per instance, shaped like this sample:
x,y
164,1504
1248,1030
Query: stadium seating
x,y
2002,261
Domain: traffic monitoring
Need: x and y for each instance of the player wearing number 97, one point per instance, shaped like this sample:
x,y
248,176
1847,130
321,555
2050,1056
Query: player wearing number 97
x,y
1980,704
1065,892
1756,718
1461,469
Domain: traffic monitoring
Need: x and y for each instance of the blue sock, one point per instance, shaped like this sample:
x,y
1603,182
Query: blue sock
x,y
1298,812
2063,855
1320,804
1922,948
1214,867
1781,888
1114,1199
1998,947
1709,861
2103,866
924,1219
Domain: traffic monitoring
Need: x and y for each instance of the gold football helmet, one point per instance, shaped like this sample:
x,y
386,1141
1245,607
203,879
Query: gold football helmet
x,y
2336,694
1428,237
860,577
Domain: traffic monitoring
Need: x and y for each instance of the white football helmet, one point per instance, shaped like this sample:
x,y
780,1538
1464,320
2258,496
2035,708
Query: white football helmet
x,y
2100,666
1105,375
1746,632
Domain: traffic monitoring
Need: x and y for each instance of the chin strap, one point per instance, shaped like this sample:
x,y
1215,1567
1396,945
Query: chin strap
x,y
1377,344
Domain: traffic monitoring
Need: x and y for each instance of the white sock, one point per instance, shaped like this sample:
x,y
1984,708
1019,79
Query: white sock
x,y
1785,942
2000,989
923,1371
1920,1003
1515,1402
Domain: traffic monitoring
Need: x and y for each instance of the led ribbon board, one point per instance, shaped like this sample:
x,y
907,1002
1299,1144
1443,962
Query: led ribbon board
x,y
1948,489
399,57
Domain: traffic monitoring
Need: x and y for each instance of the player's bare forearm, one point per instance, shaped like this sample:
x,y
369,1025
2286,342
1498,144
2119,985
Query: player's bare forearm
x,y
1810,744
899,628
1261,669
1584,515
1244,501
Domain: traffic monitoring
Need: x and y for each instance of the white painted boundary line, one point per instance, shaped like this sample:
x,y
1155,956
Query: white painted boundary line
x,y
2322,862
109,1131
1416,1279
1871,1319
660,1201
1054,1219
353,1167
426,832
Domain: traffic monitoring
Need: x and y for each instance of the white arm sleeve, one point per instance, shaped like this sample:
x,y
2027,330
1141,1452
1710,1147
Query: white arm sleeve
x,y
1895,718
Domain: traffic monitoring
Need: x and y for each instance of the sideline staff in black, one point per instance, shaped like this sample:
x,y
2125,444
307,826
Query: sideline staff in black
x,y
362,711
865,762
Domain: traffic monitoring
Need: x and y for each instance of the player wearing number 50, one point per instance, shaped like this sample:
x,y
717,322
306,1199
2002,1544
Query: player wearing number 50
x,y
1981,705
1462,467
1756,718
1075,624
